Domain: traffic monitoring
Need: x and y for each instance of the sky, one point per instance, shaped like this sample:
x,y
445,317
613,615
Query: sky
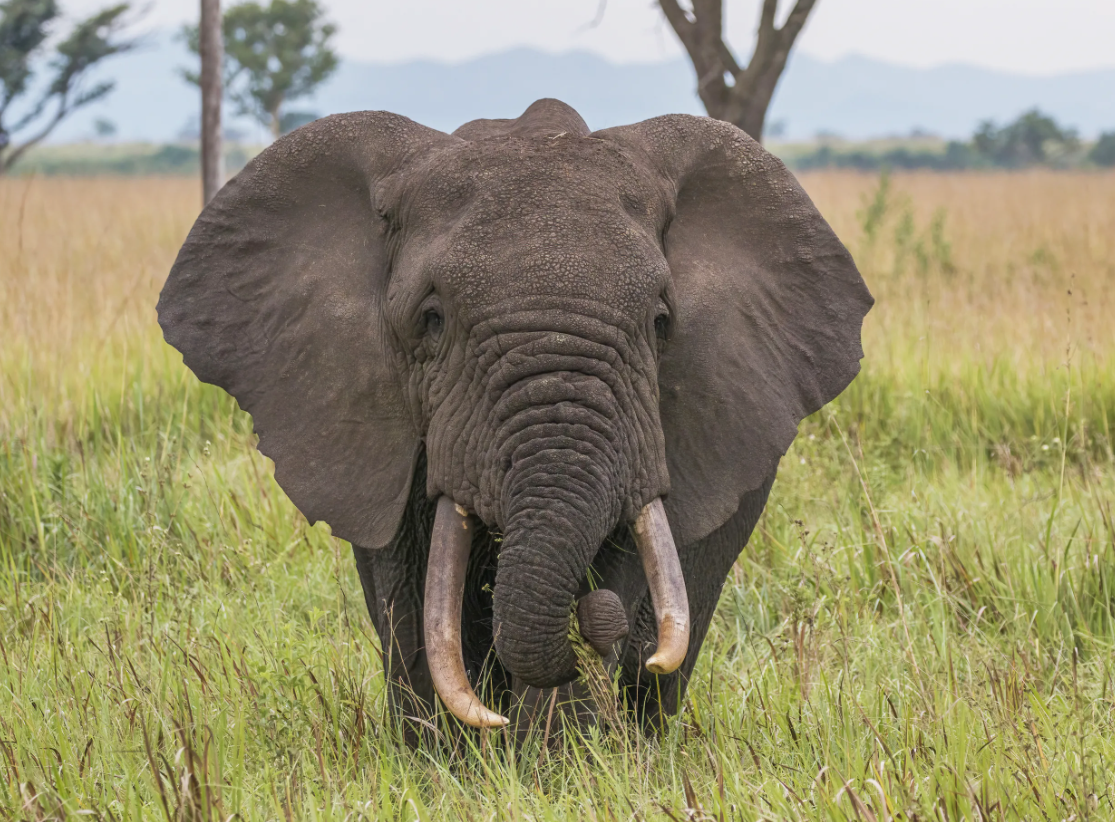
x,y
1038,37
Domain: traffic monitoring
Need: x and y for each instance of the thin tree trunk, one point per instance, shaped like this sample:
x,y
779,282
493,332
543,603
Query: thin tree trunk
x,y
277,122
212,65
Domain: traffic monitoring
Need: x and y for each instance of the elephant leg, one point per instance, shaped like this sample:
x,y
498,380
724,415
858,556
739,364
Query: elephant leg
x,y
394,582
706,565
392,590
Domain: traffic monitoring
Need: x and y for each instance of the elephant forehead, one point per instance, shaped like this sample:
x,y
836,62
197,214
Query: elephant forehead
x,y
506,175
544,217
575,255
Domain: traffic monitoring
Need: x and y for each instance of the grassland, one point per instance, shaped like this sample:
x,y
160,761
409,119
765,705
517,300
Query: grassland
x,y
123,159
922,628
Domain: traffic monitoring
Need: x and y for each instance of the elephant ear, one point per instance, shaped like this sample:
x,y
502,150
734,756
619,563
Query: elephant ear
x,y
766,317
278,296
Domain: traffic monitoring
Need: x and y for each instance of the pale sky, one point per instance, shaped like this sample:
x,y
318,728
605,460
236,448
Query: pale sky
x,y
1028,36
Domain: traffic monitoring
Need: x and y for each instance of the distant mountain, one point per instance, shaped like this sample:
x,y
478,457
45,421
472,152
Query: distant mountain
x,y
854,97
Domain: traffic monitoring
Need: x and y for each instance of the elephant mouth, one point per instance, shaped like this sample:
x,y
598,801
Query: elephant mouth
x,y
450,544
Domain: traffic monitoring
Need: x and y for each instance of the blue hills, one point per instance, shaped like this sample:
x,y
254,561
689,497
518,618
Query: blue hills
x,y
854,97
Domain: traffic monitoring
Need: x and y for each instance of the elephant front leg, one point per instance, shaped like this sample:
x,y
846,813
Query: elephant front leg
x,y
706,566
392,591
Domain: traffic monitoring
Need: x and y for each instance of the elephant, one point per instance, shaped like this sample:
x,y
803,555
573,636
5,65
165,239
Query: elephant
x,y
526,369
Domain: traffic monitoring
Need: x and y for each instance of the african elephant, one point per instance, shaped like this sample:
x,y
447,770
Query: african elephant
x,y
522,366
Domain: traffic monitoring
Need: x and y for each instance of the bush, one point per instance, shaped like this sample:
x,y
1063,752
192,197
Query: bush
x,y
1103,152
1032,139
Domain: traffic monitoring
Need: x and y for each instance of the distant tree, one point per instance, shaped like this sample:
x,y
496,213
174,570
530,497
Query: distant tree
x,y
1103,152
296,119
25,26
1032,139
777,129
958,155
274,54
104,128
729,92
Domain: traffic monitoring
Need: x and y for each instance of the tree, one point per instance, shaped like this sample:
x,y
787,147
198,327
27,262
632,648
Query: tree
x,y
1031,139
729,92
211,49
273,54
1103,152
104,128
296,119
25,26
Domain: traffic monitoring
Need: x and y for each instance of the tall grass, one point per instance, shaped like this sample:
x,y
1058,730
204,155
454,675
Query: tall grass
x,y
921,628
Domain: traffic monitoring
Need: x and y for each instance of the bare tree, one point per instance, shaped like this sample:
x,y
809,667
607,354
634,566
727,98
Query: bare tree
x,y
739,95
211,47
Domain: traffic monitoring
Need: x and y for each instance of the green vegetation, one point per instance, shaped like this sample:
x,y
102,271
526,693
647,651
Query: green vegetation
x,y
274,54
1103,152
1033,139
30,109
1012,147
124,159
921,628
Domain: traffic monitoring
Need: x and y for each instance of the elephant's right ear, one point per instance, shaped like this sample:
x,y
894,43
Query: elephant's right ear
x,y
765,325
278,295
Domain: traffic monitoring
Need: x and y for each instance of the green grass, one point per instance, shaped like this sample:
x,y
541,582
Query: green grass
x,y
123,159
921,628
938,636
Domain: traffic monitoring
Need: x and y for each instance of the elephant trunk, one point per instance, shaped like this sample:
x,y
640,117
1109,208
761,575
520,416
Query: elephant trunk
x,y
561,503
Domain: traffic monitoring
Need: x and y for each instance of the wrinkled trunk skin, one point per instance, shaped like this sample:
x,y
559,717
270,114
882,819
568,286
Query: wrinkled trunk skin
x,y
562,444
561,506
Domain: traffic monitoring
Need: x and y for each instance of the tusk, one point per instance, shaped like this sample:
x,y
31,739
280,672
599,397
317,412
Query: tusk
x,y
450,545
667,587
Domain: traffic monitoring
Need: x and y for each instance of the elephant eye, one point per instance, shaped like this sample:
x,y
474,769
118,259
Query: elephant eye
x,y
662,322
434,322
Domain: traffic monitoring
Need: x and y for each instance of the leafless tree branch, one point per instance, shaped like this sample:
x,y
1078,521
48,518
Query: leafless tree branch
x,y
597,18
701,31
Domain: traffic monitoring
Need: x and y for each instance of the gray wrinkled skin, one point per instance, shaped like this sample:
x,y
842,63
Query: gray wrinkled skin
x,y
551,326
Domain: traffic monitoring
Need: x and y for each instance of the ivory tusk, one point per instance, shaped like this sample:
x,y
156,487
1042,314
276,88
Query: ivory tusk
x,y
450,545
667,587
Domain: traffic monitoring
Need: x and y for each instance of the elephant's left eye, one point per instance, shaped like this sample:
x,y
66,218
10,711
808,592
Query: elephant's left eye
x,y
434,322
662,322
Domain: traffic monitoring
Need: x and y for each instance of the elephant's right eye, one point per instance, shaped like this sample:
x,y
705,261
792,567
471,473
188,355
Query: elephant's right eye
x,y
433,322
662,322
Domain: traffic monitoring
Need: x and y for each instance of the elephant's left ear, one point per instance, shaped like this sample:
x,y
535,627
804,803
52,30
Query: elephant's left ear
x,y
768,308
278,296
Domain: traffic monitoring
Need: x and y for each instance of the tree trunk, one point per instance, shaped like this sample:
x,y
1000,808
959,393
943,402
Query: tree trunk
x,y
212,66
276,122
740,96
745,107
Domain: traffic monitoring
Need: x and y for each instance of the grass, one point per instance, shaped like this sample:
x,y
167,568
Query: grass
x,y
921,628
140,159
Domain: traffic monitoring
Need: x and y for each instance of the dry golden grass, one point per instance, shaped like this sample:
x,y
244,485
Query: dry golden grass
x,y
83,257
81,265
1031,261
1033,256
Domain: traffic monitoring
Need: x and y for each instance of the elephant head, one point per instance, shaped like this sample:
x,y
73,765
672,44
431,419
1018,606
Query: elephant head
x,y
581,330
